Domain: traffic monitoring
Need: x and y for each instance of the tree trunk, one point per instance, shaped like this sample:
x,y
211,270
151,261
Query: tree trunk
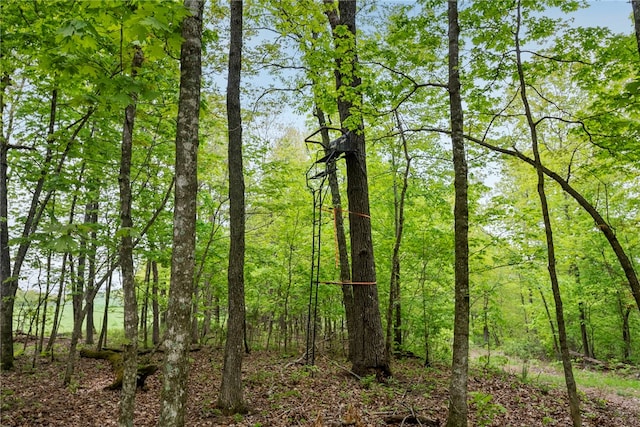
x,y
58,307
625,311
144,311
155,305
39,202
586,348
556,346
176,361
343,251
230,399
601,223
45,305
8,278
458,408
8,285
574,401
369,347
394,310
130,354
91,218
635,5
102,340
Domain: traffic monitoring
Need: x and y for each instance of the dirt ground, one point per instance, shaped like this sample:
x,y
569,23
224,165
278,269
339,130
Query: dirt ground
x,y
282,392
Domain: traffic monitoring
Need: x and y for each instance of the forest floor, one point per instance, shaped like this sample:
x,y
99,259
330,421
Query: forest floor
x,y
280,391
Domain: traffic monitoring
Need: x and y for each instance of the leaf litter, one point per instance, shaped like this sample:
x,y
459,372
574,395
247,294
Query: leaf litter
x,y
280,391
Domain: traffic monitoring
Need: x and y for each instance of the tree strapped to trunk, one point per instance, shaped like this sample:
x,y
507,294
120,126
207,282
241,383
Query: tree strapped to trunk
x,y
115,359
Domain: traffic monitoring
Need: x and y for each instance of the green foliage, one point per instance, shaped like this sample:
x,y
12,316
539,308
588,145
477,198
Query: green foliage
x,y
486,410
583,84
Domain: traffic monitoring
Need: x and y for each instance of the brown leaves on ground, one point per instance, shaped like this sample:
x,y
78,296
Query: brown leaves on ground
x,y
283,393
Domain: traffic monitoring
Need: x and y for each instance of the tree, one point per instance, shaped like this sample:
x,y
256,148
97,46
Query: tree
x,y
130,356
635,5
394,313
369,347
574,402
230,399
177,339
460,366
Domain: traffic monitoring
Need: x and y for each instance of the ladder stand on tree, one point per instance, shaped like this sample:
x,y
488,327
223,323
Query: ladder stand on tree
x,y
316,178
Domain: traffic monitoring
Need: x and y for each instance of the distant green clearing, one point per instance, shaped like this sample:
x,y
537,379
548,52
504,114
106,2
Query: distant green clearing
x,y
25,310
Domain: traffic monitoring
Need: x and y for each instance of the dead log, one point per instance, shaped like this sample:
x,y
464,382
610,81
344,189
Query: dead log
x,y
590,360
411,419
115,359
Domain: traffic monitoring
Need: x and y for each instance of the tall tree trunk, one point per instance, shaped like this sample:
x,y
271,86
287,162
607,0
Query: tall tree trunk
x,y
556,346
45,305
635,5
102,339
58,306
78,279
206,287
369,347
144,311
9,279
130,354
230,399
176,361
586,348
625,311
574,401
343,251
92,218
155,304
8,285
39,202
394,310
460,367
208,309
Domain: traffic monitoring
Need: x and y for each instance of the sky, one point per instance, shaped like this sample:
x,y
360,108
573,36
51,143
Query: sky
x,y
615,14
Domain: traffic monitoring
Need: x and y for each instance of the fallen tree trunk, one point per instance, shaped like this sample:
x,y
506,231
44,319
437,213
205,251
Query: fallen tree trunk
x,y
115,359
411,419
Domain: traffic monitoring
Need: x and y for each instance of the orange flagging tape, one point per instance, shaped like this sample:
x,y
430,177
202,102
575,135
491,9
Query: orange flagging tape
x,y
349,212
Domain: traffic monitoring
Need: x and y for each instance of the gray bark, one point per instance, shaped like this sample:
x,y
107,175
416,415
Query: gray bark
x,y
177,340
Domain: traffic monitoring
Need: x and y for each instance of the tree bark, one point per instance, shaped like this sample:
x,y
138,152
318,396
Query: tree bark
x,y
8,285
586,348
230,399
556,346
155,305
394,310
458,408
343,251
176,362
92,218
574,401
635,5
130,354
369,347
102,339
